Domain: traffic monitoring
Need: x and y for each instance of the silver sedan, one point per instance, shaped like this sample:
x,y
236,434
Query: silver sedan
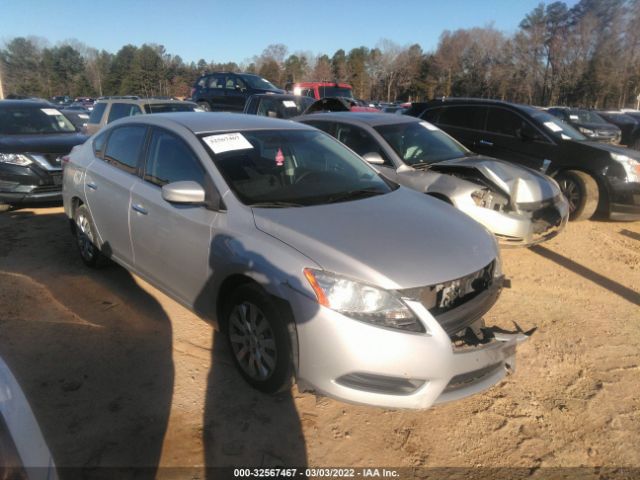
x,y
317,268
520,206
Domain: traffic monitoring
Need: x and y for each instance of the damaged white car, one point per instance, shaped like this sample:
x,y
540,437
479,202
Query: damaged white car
x,y
520,206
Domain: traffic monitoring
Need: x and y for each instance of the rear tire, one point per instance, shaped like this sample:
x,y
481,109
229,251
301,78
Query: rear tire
x,y
581,190
204,106
86,238
259,339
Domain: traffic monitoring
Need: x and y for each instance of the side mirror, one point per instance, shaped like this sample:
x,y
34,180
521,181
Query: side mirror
x,y
373,158
183,192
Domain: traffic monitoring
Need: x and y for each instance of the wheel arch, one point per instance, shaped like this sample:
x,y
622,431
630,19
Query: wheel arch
x,y
603,189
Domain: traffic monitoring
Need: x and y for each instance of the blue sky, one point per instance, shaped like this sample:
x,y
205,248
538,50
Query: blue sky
x,y
236,30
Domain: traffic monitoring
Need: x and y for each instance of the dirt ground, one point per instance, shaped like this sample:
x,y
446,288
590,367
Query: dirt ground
x,y
118,374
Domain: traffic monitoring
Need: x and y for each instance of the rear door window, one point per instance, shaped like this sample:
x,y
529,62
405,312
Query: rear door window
x,y
125,146
503,122
96,113
216,81
463,117
122,110
169,159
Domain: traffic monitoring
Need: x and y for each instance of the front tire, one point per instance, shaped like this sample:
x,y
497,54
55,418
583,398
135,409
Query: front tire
x,y
581,190
86,238
259,339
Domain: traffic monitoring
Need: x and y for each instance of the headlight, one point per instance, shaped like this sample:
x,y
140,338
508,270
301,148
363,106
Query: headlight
x,y
630,165
488,199
362,302
15,159
587,131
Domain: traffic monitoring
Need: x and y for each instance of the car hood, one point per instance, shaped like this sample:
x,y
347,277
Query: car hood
x,y
399,240
50,143
523,185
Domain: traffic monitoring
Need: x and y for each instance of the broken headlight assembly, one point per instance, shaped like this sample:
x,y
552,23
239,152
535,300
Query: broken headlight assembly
x,y
15,159
487,199
363,302
630,165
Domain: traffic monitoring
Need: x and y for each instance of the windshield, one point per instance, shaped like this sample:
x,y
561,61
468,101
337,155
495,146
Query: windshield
x,y
279,108
335,92
586,116
259,83
31,120
170,107
275,168
421,143
557,127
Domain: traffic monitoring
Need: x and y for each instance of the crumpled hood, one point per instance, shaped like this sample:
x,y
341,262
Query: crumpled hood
x,y
522,184
399,240
50,143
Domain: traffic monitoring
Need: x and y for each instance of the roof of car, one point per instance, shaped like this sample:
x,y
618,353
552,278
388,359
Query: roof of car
x,y
372,119
27,102
203,122
142,100
282,96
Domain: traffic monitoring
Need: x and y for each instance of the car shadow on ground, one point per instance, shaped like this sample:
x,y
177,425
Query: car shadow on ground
x,y
611,285
242,426
90,348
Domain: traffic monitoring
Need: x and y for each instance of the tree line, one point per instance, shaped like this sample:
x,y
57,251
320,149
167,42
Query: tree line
x,y
587,55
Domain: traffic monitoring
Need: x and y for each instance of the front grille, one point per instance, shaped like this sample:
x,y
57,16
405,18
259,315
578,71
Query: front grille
x,y
456,304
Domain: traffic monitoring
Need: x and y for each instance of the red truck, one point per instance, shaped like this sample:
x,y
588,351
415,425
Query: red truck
x,y
320,90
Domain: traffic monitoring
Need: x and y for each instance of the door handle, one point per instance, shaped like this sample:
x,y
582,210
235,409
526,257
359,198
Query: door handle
x,y
92,186
139,208
486,143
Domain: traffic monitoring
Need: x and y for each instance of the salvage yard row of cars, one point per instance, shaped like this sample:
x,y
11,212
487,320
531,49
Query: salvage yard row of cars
x,y
353,252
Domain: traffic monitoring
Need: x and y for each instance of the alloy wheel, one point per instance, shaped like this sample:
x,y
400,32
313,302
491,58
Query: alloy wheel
x,y
571,190
84,236
252,341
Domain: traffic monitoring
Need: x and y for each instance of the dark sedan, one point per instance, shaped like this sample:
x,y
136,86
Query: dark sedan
x,y
588,123
34,136
628,125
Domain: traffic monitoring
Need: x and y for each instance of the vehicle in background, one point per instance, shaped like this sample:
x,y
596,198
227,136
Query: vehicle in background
x,y
61,101
628,125
24,454
34,138
109,109
397,109
277,105
339,104
319,90
315,266
589,123
519,206
86,102
79,116
594,176
229,91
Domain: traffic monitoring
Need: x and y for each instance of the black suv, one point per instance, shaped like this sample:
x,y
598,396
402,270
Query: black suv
x,y
227,91
593,176
34,138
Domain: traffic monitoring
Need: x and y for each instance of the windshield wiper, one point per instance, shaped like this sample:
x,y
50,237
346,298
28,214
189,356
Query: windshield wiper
x,y
421,165
355,194
274,204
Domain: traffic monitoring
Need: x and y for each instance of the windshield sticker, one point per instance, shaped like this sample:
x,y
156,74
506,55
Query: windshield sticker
x,y
50,111
553,126
279,158
428,126
227,142
289,103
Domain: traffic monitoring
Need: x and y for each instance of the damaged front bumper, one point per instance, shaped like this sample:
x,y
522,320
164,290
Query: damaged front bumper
x,y
526,224
361,363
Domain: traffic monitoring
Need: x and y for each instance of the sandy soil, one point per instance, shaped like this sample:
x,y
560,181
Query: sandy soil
x,y
120,375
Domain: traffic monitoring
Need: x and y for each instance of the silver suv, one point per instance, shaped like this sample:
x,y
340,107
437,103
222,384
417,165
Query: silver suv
x,y
110,109
315,266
